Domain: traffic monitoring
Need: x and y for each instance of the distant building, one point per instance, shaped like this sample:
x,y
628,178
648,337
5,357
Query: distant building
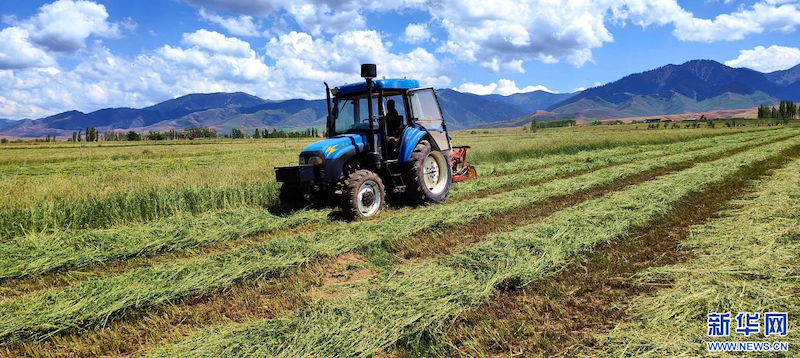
x,y
637,122
652,120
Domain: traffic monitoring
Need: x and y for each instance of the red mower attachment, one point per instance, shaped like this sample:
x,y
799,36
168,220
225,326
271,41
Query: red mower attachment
x,y
461,169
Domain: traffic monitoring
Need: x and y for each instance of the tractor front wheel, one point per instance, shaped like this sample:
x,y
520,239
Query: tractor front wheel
x,y
363,195
428,176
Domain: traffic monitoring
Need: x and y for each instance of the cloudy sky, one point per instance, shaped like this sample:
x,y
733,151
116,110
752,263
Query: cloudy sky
x,y
87,55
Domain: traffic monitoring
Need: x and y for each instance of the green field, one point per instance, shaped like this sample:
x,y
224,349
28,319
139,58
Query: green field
x,y
587,240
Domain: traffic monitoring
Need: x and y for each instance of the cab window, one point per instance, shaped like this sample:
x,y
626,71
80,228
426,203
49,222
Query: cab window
x,y
425,107
353,114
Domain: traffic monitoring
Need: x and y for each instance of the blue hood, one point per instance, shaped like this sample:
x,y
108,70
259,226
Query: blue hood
x,y
335,147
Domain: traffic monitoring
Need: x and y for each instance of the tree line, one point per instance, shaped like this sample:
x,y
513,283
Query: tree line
x,y
786,110
190,133
265,133
536,124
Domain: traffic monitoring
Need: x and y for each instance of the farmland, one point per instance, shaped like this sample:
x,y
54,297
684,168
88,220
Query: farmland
x,y
179,248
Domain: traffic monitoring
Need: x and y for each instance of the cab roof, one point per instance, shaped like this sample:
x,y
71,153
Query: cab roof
x,y
387,84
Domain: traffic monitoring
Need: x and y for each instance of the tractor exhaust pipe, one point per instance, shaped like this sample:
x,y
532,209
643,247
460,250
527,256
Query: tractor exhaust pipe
x,y
329,121
369,71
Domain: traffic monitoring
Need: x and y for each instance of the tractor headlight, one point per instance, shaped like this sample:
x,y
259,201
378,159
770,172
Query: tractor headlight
x,y
314,160
301,160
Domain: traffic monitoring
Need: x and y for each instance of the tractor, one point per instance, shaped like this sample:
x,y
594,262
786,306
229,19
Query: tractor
x,y
384,135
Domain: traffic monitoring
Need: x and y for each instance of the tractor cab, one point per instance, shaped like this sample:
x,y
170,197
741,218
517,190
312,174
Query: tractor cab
x,y
383,135
397,105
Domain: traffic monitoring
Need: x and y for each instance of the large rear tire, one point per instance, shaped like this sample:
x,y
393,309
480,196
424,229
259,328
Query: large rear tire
x,y
363,195
429,175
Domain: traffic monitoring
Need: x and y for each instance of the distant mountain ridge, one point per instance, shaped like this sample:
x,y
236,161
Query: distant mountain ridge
x,y
785,77
225,111
695,86
5,123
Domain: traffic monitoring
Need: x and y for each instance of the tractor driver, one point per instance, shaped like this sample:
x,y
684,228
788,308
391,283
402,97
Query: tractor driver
x,y
393,121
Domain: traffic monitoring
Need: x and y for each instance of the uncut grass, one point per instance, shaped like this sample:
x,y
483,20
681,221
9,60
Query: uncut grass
x,y
64,152
44,190
745,261
412,302
36,254
110,197
93,302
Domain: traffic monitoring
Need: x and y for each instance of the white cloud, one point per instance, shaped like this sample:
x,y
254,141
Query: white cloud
x,y
313,16
210,62
767,59
63,26
760,18
416,33
316,18
16,51
503,87
309,61
501,35
241,26
216,42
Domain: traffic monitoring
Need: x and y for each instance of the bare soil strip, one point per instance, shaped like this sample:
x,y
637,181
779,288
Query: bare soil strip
x,y
553,315
137,333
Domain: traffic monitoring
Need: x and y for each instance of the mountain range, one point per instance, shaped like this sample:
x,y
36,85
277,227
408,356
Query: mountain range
x,y
695,86
225,111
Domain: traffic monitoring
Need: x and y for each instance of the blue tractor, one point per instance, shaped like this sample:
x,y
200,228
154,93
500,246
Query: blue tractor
x,y
383,135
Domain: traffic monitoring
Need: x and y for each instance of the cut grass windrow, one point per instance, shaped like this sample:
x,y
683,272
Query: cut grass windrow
x,y
412,304
745,261
93,302
40,253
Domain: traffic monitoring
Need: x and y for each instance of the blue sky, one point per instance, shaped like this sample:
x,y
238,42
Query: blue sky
x,y
86,55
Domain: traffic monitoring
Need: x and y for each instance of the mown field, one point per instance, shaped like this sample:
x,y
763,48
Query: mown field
x,y
607,240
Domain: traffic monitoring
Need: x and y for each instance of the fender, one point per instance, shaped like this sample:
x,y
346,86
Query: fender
x,y
411,137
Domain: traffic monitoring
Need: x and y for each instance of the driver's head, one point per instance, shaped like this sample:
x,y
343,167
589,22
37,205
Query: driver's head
x,y
390,104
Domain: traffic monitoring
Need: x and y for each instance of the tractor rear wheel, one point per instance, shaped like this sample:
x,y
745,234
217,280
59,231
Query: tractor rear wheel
x,y
428,176
363,195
